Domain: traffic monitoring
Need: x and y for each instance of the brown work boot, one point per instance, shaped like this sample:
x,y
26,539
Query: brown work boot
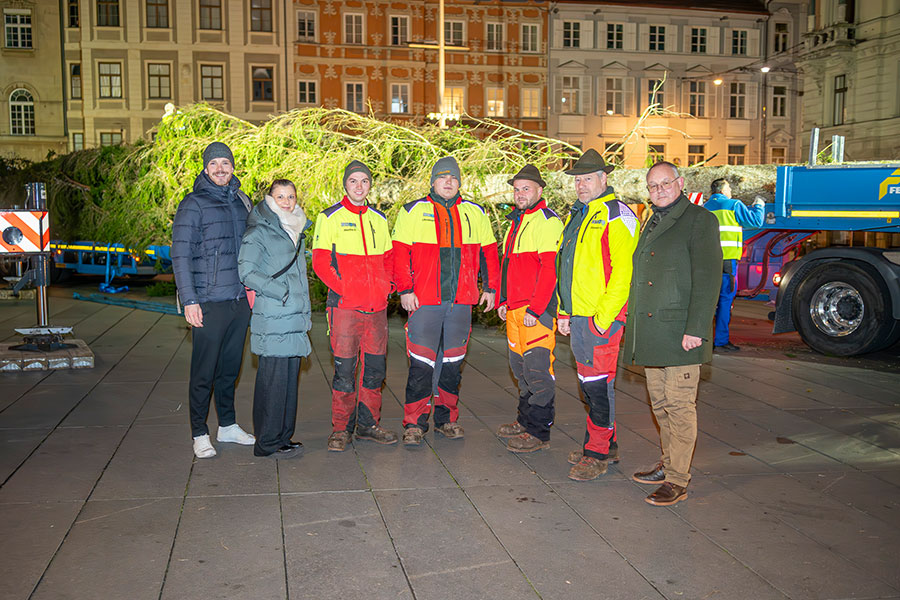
x,y
413,436
510,430
588,468
575,456
376,434
338,440
667,494
451,431
654,475
526,442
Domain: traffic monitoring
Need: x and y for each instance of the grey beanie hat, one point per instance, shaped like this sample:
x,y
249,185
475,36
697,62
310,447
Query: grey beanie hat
x,y
217,150
445,166
355,166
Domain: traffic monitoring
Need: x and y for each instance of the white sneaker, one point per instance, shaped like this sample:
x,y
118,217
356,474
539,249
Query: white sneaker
x,y
203,448
236,435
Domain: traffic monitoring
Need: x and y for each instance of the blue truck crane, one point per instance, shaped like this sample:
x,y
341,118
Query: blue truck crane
x,y
842,300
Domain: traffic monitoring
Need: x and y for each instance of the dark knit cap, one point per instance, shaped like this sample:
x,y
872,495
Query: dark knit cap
x,y
355,167
217,150
445,166
529,172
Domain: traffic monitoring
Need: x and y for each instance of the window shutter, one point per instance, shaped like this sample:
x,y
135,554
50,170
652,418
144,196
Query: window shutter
x,y
686,39
630,33
686,96
728,48
671,38
557,94
712,99
587,35
752,99
600,101
629,96
644,45
712,41
669,92
753,42
557,33
585,93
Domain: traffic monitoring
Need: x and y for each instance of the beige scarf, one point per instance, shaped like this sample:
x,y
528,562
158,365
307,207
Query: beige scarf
x,y
292,221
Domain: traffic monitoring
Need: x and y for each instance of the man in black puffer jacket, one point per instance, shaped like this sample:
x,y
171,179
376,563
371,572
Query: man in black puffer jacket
x,y
206,237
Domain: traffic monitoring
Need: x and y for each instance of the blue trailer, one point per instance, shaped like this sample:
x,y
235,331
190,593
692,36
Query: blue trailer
x,y
109,260
842,300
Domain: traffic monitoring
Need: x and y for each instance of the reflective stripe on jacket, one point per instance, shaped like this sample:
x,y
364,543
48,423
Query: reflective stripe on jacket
x,y
417,251
598,280
528,268
352,255
733,216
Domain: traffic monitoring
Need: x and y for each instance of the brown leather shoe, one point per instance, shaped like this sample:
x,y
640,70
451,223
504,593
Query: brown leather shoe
x,y
526,443
412,436
588,468
575,456
376,434
654,475
510,430
667,494
337,441
451,431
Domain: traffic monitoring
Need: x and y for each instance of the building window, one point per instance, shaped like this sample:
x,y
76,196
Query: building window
x,y
781,38
158,13
110,138
75,81
779,155
306,26
353,29
212,84
840,99
656,95
615,96
73,13
260,15
400,98
656,153
739,42
399,31
696,154
736,154
355,99
159,81
614,152
737,100
77,142
698,40
571,34
779,101
18,28
211,14
494,36
615,36
495,102
530,37
454,99
453,33
21,113
110,80
306,92
108,13
657,38
697,98
531,103
263,90
570,94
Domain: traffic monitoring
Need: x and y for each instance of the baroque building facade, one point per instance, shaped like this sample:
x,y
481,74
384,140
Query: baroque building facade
x,y
643,81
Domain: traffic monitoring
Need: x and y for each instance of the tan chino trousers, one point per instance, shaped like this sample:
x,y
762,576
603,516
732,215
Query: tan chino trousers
x,y
673,397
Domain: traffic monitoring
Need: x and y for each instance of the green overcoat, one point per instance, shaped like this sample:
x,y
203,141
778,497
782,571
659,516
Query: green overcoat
x,y
674,288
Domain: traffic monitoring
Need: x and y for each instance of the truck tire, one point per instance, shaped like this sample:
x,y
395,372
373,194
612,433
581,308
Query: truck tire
x,y
842,310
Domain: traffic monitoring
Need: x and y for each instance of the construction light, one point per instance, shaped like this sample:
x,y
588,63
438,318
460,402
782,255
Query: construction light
x,y
776,279
766,69
717,81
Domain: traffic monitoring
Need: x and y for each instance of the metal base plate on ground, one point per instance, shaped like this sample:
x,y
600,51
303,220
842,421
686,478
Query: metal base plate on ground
x,y
8,294
77,357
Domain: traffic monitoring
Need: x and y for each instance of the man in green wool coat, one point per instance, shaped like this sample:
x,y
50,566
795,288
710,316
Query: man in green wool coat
x,y
671,304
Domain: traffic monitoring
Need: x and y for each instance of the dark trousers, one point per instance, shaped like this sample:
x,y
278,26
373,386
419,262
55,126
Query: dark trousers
x,y
275,403
216,361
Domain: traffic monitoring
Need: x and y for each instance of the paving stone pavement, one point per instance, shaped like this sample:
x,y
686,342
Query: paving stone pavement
x,y
795,490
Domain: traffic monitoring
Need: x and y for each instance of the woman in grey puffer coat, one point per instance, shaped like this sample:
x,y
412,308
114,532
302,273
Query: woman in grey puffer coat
x,y
272,263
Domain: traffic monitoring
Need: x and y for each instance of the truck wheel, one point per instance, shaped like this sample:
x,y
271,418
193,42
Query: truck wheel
x,y
842,310
58,275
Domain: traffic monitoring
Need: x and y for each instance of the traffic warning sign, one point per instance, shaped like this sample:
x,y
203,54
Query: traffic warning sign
x,y
24,232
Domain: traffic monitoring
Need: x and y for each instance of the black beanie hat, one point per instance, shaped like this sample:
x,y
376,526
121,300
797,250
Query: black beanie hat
x,y
355,167
217,150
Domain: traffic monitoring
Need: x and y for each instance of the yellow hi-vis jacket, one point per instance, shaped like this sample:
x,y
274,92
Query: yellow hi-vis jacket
x,y
593,264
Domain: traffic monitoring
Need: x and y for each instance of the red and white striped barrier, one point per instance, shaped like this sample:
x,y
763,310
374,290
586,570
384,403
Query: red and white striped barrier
x,y
696,198
24,232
